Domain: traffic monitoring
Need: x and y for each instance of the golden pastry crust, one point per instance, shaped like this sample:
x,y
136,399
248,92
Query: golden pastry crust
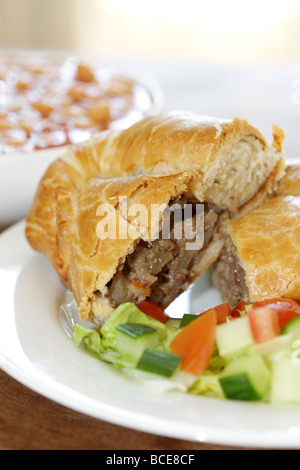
x,y
278,137
290,184
227,164
179,141
94,261
267,191
268,246
170,142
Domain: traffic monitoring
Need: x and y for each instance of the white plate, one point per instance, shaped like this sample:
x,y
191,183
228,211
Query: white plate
x,y
35,350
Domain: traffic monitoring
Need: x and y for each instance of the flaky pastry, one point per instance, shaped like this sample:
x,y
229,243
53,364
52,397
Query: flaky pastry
x,y
181,157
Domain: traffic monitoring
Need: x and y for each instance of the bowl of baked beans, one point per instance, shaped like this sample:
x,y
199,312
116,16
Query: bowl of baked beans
x,y
49,101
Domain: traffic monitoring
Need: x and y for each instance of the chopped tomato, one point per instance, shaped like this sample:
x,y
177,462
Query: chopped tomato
x,y
241,307
287,309
264,324
222,312
153,310
195,343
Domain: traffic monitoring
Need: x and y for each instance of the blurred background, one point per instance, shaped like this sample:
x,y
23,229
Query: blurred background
x,y
216,58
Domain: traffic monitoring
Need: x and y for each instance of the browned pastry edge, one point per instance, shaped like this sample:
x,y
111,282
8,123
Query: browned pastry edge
x,y
171,146
94,262
290,184
268,247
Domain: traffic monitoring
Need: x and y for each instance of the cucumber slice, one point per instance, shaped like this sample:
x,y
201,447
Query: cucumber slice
x,y
173,323
159,363
132,339
247,378
234,338
293,326
286,380
187,319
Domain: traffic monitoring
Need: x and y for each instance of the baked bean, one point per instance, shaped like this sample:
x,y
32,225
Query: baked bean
x,y
47,101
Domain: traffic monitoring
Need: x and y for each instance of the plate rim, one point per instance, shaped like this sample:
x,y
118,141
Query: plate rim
x,y
118,416
156,426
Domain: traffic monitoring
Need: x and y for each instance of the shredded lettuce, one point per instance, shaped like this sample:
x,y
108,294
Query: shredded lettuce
x,y
207,385
106,347
129,313
86,337
217,363
118,360
90,340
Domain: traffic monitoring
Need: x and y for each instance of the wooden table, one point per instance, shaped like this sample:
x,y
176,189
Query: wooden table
x,y
29,421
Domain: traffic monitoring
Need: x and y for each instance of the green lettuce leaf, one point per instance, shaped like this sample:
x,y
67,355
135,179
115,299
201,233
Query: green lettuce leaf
x,y
88,338
118,360
217,364
129,313
207,385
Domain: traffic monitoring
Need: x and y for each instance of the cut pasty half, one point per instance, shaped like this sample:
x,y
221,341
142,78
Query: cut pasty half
x,y
175,157
261,258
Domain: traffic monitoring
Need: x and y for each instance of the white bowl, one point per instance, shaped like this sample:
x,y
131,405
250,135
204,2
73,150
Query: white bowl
x,y
21,172
19,178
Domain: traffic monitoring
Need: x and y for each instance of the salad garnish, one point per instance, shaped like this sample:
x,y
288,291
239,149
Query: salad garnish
x,y
245,354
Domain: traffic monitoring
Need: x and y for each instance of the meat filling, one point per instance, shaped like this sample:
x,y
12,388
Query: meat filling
x,y
229,277
159,271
